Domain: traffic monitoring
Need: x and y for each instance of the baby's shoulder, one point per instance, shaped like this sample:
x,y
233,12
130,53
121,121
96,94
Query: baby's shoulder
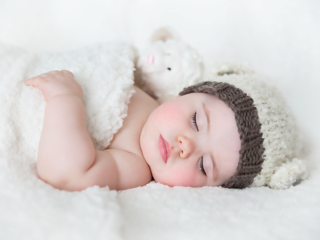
x,y
143,99
141,105
128,137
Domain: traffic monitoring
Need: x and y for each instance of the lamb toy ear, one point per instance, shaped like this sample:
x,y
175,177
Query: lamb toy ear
x,y
163,34
289,174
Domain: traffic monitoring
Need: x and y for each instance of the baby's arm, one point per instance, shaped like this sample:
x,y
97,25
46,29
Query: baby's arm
x,y
66,156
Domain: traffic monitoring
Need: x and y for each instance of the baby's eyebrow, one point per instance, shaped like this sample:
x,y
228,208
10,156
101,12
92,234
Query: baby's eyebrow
x,y
215,169
207,115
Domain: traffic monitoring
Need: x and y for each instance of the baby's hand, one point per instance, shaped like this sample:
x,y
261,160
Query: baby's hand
x,y
56,83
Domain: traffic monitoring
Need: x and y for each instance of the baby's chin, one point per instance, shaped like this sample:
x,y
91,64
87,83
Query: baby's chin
x,y
166,183
157,177
173,182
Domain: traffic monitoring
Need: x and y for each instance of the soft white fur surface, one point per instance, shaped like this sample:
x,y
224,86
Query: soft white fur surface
x,y
278,39
105,72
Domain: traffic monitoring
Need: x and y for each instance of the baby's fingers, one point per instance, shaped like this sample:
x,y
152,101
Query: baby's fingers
x,y
34,81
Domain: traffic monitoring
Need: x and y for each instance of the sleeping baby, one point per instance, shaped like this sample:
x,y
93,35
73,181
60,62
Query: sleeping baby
x,y
209,135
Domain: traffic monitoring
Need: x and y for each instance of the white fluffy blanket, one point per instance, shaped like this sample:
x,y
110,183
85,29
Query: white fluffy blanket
x,y
31,209
105,72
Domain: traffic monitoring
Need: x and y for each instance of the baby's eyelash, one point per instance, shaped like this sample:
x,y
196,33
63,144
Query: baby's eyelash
x,y
194,120
200,166
200,162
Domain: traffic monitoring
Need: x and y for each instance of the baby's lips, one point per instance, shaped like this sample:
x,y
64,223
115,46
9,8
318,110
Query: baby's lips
x,y
150,59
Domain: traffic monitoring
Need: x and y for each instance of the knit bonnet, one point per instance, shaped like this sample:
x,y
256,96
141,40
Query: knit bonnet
x,y
270,143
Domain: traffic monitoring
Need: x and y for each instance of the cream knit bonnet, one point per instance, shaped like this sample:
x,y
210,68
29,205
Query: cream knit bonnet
x,y
270,143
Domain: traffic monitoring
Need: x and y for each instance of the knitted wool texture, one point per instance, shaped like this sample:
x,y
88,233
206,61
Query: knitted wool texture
x,y
282,166
248,124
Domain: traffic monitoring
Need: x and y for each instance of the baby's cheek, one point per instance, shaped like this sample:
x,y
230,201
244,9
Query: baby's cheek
x,y
186,179
170,114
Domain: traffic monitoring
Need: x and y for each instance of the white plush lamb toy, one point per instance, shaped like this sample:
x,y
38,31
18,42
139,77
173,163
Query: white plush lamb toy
x,y
167,66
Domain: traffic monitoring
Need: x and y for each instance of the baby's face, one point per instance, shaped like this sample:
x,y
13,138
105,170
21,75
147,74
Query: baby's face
x,y
192,141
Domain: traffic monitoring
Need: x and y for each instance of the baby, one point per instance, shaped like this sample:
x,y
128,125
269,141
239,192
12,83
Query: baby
x,y
192,140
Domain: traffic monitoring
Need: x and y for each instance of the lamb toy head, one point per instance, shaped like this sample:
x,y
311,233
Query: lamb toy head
x,y
167,66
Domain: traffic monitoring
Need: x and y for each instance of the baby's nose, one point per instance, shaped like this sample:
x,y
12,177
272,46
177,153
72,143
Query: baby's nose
x,y
186,146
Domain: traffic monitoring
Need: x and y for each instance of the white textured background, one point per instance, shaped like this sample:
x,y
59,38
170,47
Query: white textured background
x,y
279,39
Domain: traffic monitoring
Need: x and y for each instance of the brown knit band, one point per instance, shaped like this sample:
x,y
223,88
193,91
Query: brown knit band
x,y
247,119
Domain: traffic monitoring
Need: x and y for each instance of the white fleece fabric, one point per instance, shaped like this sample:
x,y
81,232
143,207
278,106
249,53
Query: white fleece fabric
x,y
31,209
105,72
